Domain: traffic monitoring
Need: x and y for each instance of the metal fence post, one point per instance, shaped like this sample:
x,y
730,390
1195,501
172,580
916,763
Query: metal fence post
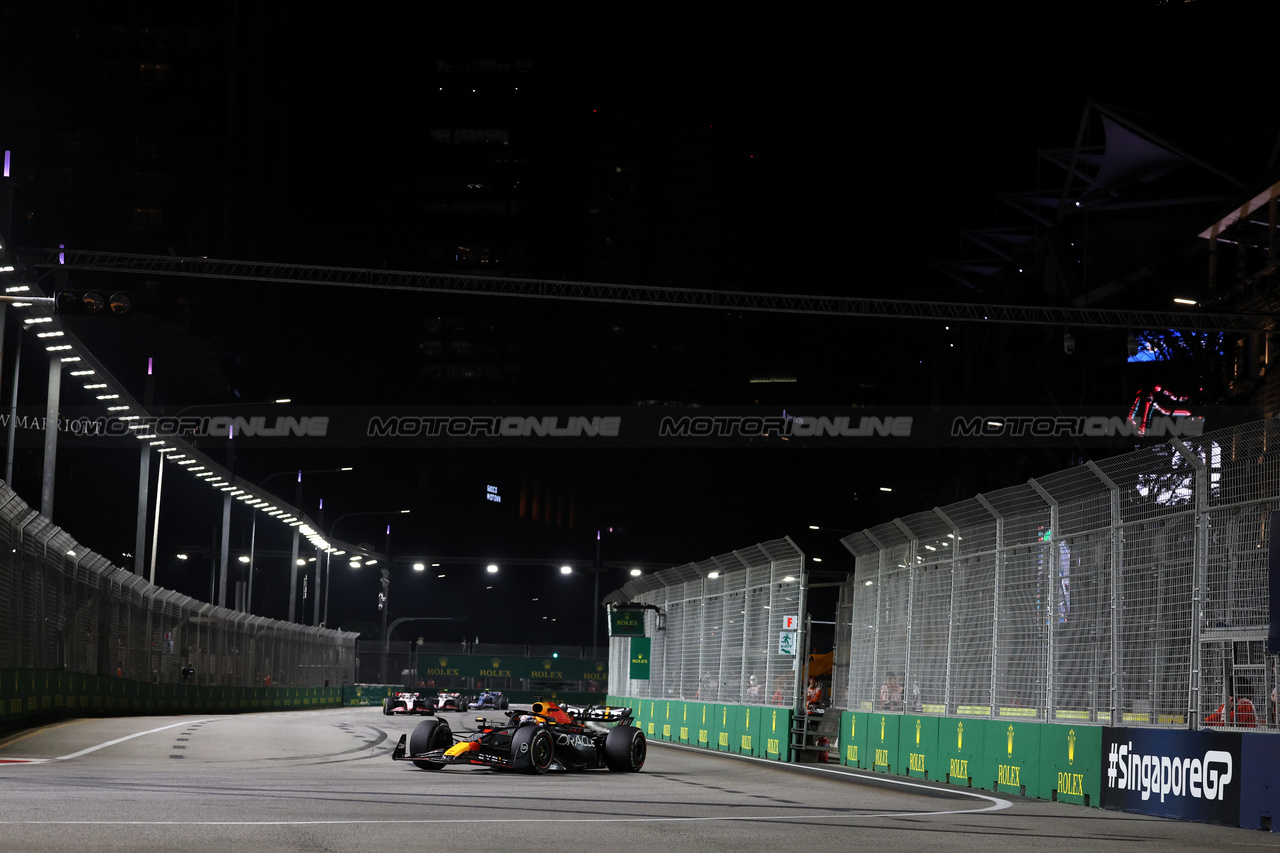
x,y
881,557
913,573
1117,590
1199,577
999,582
947,704
1051,599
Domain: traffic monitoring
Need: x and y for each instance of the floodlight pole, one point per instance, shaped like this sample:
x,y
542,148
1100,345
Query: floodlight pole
x,y
386,638
51,437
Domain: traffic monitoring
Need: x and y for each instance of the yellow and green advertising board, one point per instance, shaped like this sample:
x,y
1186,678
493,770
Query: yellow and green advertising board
x,y
1071,763
882,743
918,752
961,744
853,739
1011,759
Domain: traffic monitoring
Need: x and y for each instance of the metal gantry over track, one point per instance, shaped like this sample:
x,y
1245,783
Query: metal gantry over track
x,y
628,294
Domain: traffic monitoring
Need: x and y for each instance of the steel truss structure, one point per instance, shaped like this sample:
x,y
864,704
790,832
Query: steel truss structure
x,y
627,294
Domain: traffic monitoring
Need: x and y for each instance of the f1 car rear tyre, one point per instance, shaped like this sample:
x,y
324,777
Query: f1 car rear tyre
x,y
624,749
430,735
532,749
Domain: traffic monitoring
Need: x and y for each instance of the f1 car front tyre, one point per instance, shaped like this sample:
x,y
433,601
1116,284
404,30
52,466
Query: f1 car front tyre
x,y
430,735
532,749
624,749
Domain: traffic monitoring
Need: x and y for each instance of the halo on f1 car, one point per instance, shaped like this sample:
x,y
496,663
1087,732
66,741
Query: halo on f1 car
x,y
489,700
451,701
408,703
547,737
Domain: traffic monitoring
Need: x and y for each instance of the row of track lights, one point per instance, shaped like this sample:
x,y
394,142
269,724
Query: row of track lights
x,y
115,405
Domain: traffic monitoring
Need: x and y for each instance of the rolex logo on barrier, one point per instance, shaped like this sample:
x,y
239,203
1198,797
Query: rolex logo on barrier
x,y
444,661
1071,746
497,662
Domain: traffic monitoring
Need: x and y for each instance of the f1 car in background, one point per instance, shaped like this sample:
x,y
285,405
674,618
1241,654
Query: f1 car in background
x,y
547,737
451,702
490,700
408,703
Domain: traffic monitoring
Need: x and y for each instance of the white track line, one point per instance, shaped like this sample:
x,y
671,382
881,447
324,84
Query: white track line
x,y
369,822
997,804
125,738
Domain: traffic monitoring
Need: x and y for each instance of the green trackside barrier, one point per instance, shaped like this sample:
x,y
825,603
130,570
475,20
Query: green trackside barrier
x,y
679,721
644,717
687,726
775,733
11,694
366,694
656,716
743,736
882,743
700,734
918,745
668,728
1011,759
723,724
1071,763
853,738
684,720
9,702
961,745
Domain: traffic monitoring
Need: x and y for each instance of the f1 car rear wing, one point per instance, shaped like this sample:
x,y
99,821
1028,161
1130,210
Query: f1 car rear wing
x,y
599,713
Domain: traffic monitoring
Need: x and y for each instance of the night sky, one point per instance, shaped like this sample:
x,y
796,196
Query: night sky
x,y
790,154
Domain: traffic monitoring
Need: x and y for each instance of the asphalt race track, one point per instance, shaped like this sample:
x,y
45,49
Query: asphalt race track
x,y
325,781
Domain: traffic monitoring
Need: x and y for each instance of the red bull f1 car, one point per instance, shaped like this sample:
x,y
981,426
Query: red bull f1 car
x,y
547,737
408,703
